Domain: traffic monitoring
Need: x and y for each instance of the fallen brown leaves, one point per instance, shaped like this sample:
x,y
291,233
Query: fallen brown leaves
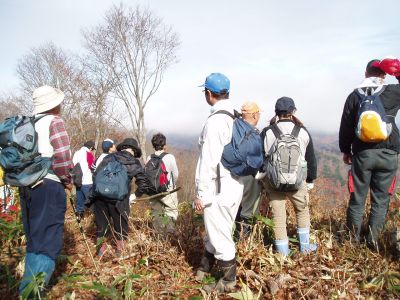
x,y
155,268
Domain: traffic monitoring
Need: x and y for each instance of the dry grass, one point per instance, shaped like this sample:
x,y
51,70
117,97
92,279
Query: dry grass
x,y
155,268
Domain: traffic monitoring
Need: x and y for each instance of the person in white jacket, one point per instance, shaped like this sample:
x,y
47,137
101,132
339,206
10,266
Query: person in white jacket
x,y
218,193
168,205
85,158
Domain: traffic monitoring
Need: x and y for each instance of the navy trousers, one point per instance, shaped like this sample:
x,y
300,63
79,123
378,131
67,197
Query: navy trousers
x,y
43,214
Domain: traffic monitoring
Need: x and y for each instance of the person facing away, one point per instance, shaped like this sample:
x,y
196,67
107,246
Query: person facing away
x,y
285,121
249,206
115,211
373,165
168,205
220,206
85,158
43,206
107,146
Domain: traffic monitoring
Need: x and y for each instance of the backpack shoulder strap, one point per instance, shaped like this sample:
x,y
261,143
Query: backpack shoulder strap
x,y
225,112
296,130
275,129
162,155
381,90
369,91
36,118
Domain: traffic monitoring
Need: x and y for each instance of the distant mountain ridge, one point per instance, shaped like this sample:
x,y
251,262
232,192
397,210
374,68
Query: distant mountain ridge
x,y
326,142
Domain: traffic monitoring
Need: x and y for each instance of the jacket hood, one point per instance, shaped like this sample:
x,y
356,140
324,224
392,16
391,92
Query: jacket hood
x,y
126,158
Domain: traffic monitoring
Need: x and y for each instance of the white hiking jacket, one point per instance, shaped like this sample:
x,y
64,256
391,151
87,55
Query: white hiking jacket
x,y
81,157
216,133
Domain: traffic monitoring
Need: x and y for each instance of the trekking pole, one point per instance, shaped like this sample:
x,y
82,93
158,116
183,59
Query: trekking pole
x,y
78,219
159,195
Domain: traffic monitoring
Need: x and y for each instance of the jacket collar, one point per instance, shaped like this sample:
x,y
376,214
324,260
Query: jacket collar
x,y
225,104
372,82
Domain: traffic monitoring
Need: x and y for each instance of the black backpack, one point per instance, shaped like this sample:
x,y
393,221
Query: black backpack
x,y
77,174
156,172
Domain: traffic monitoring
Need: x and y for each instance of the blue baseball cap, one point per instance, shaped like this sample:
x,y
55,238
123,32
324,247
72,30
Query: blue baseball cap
x,y
217,83
106,145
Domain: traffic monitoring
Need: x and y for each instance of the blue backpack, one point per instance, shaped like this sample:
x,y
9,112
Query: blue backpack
x,y
373,125
19,157
243,155
111,181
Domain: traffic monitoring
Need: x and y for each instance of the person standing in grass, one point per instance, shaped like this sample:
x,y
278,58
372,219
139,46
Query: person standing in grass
x,y
165,210
116,212
218,193
249,206
43,206
283,124
373,164
85,158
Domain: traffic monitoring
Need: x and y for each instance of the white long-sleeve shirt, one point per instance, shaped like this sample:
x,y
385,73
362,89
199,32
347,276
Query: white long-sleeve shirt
x,y
216,133
85,158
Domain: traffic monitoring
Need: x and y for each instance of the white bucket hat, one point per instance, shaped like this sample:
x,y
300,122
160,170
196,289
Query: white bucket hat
x,y
46,98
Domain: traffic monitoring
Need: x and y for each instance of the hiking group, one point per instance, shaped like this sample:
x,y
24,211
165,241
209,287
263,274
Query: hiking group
x,y
236,163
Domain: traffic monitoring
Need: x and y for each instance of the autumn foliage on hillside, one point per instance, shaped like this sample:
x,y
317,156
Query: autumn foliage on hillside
x,y
155,268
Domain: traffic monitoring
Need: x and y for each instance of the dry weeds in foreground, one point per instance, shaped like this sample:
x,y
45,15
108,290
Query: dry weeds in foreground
x,y
153,268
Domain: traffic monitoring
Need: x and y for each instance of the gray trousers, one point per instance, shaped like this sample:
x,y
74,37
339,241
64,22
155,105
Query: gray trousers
x,y
375,170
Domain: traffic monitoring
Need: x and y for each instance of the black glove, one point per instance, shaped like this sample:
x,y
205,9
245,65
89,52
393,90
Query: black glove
x,y
91,198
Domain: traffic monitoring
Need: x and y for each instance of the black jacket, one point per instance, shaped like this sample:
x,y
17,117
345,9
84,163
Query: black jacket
x,y
348,141
135,170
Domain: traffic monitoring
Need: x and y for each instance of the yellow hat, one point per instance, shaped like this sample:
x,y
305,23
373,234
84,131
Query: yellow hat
x,y
1,176
250,107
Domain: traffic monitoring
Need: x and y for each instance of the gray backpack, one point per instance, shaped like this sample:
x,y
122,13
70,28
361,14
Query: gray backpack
x,y
284,164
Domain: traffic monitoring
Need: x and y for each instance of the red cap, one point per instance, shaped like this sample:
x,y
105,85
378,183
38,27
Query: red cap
x,y
391,66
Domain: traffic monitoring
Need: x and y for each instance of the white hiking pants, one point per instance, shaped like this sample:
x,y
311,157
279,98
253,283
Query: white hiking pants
x,y
219,218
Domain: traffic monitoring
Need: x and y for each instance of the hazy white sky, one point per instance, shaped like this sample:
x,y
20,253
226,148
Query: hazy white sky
x,y
311,50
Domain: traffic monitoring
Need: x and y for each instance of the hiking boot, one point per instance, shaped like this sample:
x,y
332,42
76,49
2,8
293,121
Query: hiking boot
x,y
304,240
206,264
35,264
226,271
120,247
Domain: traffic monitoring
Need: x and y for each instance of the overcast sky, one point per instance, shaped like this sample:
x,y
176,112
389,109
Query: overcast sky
x,y
313,51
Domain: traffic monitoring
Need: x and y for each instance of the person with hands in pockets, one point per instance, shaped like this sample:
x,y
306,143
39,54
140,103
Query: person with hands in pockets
x,y
218,193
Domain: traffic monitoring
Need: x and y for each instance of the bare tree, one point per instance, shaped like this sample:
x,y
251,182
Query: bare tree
x,y
98,86
136,48
86,88
11,105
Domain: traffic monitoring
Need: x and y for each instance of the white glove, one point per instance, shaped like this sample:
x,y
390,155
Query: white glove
x,y
132,198
309,186
260,175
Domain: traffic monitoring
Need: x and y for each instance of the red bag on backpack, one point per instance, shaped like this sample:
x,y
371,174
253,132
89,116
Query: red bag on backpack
x,y
157,173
